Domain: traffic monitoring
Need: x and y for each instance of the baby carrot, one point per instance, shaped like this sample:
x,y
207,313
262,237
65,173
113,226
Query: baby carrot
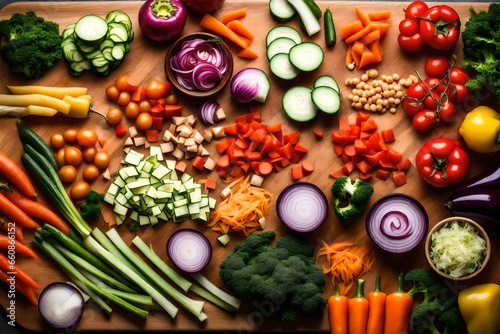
x,y
16,175
19,247
376,312
338,312
21,275
358,310
398,308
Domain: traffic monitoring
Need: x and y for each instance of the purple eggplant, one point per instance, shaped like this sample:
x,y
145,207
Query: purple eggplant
x,y
481,205
487,179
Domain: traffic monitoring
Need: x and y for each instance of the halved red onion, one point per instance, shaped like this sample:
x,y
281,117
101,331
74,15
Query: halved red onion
x,y
189,250
250,84
61,305
207,111
200,64
302,206
397,223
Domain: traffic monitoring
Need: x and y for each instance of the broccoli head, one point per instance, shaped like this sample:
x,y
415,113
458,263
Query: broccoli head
x,y
283,278
351,196
33,44
438,311
481,38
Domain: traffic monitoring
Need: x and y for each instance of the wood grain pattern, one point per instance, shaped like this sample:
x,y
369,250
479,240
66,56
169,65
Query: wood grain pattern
x,y
146,62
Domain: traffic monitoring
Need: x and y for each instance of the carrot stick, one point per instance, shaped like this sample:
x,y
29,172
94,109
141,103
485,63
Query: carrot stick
x,y
362,17
28,292
398,308
37,210
338,312
380,15
358,310
20,248
21,275
15,214
240,29
211,23
358,35
234,15
350,28
376,312
16,175
247,53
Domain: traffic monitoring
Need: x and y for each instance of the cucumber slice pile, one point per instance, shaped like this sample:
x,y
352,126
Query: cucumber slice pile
x,y
97,44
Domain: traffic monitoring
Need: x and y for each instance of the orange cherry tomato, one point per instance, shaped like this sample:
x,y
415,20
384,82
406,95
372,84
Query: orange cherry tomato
x,y
86,137
172,99
112,92
157,89
123,84
73,156
89,153
124,99
132,110
144,121
67,173
145,105
101,160
70,135
79,190
57,141
114,116
90,173
60,156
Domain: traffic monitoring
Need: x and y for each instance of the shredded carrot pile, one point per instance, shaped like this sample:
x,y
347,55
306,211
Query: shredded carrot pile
x,y
242,209
346,263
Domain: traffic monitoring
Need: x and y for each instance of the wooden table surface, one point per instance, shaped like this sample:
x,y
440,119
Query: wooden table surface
x,y
146,62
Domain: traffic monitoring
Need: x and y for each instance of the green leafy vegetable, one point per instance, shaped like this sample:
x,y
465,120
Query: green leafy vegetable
x,y
351,196
91,208
33,44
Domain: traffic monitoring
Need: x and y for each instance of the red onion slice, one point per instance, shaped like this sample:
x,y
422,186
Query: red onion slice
x,y
397,223
250,84
61,305
189,250
302,206
207,111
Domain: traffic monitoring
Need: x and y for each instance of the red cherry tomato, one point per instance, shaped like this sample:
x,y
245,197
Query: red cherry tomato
x,y
424,121
440,27
415,10
447,112
412,106
437,66
413,102
408,27
458,76
411,43
450,91
432,82
432,100
461,92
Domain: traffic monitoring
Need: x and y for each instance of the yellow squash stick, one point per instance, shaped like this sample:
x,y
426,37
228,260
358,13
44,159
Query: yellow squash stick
x,y
57,92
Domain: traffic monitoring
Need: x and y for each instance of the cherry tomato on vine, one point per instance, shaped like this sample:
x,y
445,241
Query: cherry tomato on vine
x,y
432,100
432,82
408,27
412,106
413,102
458,76
450,91
415,10
157,89
424,121
447,112
412,43
440,27
461,92
437,66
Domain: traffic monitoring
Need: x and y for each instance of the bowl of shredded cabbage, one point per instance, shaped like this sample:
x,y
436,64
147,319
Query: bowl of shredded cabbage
x,y
457,248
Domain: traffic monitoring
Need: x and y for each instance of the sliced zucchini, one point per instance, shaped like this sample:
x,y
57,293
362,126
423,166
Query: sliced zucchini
x,y
279,45
281,10
91,29
306,56
298,105
326,99
326,80
283,31
281,67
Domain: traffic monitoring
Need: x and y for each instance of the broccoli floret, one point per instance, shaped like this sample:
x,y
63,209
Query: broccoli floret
x,y
283,280
481,38
351,196
438,311
33,44
90,209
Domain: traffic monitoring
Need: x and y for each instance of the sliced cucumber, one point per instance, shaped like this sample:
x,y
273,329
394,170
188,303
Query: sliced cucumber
x,y
68,31
283,31
91,29
281,67
279,45
281,10
118,32
326,99
298,105
326,80
306,56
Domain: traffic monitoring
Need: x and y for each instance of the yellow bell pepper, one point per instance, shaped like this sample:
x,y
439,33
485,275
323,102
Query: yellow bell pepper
x,y
480,130
480,308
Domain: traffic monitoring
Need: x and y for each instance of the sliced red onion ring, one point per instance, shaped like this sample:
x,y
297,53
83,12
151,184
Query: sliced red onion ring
x,y
302,206
61,305
200,64
207,111
189,250
397,223
250,84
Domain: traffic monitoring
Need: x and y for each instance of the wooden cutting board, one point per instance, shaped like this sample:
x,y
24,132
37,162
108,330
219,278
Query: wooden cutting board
x,y
146,62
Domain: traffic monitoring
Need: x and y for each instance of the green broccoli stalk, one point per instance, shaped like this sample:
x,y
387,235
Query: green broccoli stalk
x,y
438,311
481,38
351,196
33,44
281,281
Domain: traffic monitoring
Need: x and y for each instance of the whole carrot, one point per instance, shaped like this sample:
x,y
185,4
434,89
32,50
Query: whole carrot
x,y
358,310
15,214
398,308
16,175
338,312
20,274
376,312
27,291
35,209
10,227
20,248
